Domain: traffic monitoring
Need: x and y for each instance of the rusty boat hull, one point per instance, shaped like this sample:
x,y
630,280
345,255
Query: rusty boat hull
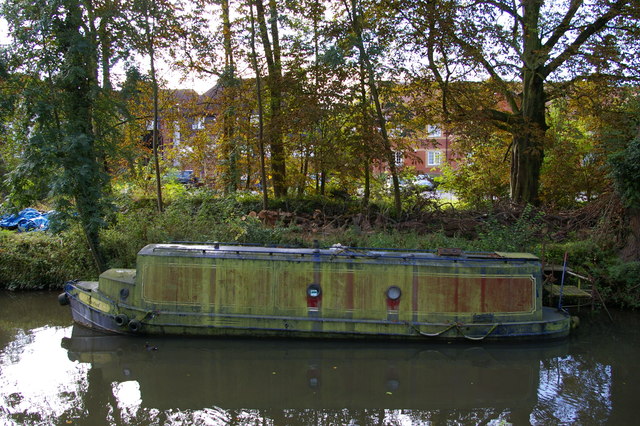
x,y
341,292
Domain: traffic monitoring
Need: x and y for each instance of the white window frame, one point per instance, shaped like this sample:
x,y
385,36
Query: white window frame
x,y
434,158
434,130
398,157
176,133
198,123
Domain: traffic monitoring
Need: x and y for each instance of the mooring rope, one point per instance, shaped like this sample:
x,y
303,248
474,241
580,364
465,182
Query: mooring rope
x,y
422,333
458,327
480,337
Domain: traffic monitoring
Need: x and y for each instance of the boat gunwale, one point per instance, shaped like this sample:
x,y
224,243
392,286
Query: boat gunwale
x,y
231,251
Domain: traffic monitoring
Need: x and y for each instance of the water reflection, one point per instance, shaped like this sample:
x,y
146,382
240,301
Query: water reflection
x,y
239,381
573,392
39,388
70,375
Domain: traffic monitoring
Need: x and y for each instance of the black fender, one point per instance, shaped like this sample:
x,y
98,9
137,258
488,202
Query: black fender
x,y
63,299
135,326
121,320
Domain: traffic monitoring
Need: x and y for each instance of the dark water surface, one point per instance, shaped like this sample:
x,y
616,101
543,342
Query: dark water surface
x,y
54,373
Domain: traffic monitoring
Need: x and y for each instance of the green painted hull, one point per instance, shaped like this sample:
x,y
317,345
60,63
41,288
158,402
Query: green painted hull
x,y
310,293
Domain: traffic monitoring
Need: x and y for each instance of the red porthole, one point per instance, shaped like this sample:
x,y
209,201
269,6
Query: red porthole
x,y
393,297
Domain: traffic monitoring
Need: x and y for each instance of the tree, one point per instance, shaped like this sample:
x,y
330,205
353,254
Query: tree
x,y
209,32
54,44
272,53
256,70
573,152
355,13
481,176
229,82
8,110
154,25
517,49
621,136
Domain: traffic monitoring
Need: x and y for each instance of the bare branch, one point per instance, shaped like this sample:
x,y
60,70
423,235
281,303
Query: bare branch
x,y
500,117
564,25
478,56
511,11
591,29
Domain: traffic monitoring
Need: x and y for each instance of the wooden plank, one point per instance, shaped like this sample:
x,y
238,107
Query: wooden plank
x,y
569,291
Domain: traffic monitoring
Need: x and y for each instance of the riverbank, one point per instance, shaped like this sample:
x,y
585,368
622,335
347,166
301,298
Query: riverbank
x,y
41,260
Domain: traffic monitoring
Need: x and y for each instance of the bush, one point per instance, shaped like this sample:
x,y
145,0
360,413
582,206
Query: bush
x,y
39,260
624,284
200,216
309,203
586,256
519,236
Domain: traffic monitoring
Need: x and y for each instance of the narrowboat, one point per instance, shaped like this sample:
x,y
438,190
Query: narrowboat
x,y
337,292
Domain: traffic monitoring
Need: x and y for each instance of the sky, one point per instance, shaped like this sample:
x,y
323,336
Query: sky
x,y
173,79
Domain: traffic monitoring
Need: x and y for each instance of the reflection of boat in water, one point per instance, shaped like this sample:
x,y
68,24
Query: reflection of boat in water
x,y
191,373
183,289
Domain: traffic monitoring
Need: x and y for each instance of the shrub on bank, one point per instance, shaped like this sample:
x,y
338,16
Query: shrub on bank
x,y
624,284
39,260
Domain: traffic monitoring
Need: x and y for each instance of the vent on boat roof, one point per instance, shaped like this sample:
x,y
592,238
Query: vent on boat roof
x,y
487,255
449,252
456,252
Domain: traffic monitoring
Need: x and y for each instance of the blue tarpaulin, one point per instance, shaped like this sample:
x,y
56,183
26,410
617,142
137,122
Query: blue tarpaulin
x,y
27,220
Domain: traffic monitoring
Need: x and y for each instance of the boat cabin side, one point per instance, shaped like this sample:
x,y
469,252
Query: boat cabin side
x,y
359,285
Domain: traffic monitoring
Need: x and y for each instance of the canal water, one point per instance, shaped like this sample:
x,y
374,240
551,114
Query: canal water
x,y
52,372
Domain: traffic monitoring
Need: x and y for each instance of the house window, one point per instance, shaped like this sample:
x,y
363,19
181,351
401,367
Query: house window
x,y
434,158
398,158
176,133
434,131
198,123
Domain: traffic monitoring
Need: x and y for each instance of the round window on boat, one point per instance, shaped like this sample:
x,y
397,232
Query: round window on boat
x,y
394,293
313,290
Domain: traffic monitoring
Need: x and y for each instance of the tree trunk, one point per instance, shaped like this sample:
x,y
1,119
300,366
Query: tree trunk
x,y
528,138
364,106
229,83
251,153
256,69
304,170
367,183
154,133
631,250
272,56
78,87
105,57
528,145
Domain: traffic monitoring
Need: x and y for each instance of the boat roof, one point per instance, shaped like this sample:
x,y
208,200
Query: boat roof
x,y
335,251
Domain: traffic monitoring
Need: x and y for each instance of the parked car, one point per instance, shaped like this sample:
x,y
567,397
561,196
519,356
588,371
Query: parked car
x,y
424,181
185,177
